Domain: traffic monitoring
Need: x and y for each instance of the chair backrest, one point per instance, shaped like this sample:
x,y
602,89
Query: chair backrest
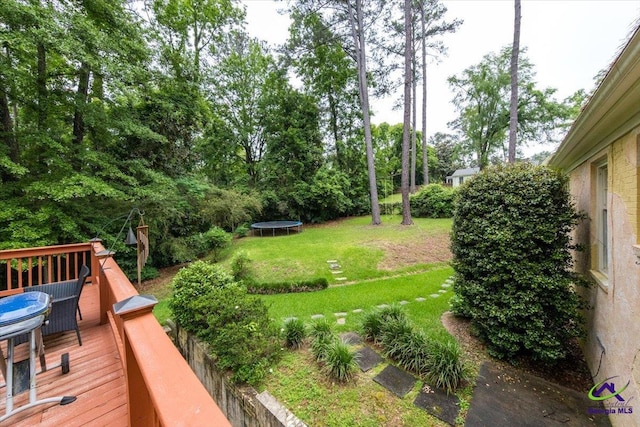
x,y
82,277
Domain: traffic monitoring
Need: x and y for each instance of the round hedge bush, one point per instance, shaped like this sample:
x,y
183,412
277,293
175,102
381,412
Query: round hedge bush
x,y
242,338
433,201
511,246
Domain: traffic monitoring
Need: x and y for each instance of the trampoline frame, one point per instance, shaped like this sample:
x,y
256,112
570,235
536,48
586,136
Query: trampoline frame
x,y
276,225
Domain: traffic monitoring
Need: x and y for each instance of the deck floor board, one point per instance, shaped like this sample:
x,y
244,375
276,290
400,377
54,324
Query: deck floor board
x,y
96,376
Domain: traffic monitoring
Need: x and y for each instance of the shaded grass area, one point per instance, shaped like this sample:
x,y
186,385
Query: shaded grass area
x,y
299,382
358,246
300,385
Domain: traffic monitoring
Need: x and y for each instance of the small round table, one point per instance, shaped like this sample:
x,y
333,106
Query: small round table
x,y
19,315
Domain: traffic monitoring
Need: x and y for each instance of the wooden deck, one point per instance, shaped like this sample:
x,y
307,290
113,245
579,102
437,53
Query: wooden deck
x,y
96,376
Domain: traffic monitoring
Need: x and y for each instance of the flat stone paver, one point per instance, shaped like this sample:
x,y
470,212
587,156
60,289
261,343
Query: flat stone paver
x,y
332,261
438,403
383,306
351,338
341,321
504,398
340,314
403,302
395,380
357,310
317,316
341,279
420,299
367,359
442,291
434,295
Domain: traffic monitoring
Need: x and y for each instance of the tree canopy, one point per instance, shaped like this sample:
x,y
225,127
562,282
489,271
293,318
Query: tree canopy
x,y
482,94
172,107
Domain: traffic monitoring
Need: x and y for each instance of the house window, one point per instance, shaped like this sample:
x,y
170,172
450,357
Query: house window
x,y
602,219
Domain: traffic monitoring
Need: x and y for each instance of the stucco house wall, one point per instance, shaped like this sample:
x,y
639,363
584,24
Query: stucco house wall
x,y
612,346
607,132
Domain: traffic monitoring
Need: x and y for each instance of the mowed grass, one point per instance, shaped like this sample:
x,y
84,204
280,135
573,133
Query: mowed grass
x,y
368,295
358,246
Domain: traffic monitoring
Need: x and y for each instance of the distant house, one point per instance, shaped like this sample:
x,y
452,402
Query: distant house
x,y
601,154
461,175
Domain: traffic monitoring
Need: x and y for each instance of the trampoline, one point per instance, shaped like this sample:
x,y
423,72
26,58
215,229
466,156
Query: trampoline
x,y
276,225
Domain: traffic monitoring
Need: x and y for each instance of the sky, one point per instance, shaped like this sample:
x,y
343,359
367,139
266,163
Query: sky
x,y
568,42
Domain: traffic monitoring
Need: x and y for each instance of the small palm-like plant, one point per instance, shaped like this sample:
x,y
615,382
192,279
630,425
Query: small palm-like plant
x,y
374,321
323,335
395,335
445,367
294,333
340,361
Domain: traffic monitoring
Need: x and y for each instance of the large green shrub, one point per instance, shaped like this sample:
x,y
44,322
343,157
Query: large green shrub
x,y
510,241
215,240
433,201
208,303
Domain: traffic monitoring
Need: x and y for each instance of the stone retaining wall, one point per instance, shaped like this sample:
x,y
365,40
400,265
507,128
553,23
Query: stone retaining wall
x,y
242,405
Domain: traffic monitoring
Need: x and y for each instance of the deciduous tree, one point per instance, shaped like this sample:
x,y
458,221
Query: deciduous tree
x,y
481,96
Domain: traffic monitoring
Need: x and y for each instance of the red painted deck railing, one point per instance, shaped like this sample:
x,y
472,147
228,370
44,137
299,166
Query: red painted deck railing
x,y
161,388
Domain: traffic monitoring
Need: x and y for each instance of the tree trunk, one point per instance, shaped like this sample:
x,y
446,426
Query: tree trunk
x,y
7,134
404,185
425,153
414,122
357,30
333,111
41,84
81,99
513,112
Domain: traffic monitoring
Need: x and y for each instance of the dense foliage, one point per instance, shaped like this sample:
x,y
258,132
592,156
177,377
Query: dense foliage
x,y
511,243
208,303
308,285
170,106
433,201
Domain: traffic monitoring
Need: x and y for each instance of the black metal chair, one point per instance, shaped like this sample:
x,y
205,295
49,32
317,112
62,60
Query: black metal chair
x,y
65,297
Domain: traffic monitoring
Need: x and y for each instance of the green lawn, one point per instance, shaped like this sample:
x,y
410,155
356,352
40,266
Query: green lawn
x,y
383,265
369,294
358,247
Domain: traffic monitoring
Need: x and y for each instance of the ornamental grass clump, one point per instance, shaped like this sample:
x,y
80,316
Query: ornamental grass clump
x,y
442,367
322,335
373,321
511,245
294,333
440,363
340,362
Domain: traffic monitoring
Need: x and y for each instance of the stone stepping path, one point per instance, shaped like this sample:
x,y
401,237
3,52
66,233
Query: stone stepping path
x,y
341,317
438,403
351,338
395,380
334,266
367,359
399,382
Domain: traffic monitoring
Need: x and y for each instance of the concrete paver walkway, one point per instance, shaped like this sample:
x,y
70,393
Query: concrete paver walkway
x,y
506,398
